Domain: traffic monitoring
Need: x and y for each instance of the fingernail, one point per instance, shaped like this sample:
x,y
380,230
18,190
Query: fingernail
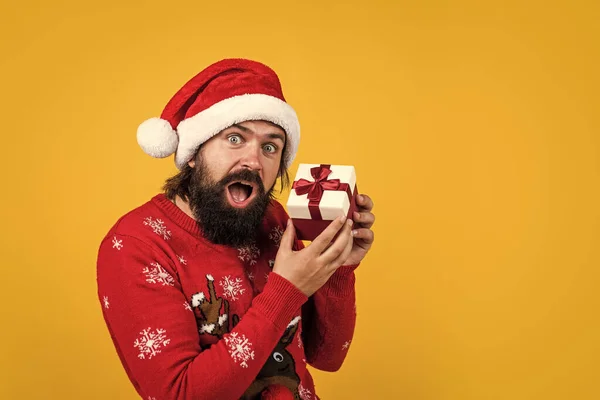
x,y
354,232
289,222
356,215
361,197
342,218
349,222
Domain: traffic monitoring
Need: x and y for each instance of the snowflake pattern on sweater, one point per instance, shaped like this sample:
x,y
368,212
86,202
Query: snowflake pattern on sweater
x,y
240,348
150,342
161,277
276,235
158,227
117,244
157,274
305,394
249,254
232,287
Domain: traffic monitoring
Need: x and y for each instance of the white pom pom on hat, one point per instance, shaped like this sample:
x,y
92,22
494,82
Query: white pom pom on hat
x,y
225,93
157,138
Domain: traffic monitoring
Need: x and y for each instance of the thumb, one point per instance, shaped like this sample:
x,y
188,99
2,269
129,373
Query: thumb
x,y
287,239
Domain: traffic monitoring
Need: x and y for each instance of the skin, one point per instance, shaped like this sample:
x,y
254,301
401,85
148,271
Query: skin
x,y
254,145
258,145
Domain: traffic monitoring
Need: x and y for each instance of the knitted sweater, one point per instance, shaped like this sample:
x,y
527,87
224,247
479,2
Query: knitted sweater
x,y
193,320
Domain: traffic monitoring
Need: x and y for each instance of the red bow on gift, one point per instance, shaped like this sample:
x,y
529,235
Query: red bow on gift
x,y
315,189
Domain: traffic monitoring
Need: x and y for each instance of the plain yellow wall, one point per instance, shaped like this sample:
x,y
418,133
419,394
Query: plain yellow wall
x,y
474,126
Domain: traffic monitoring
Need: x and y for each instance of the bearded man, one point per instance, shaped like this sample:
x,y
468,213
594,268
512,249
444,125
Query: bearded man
x,y
205,290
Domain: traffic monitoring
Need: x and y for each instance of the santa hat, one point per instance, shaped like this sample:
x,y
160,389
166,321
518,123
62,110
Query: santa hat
x,y
225,93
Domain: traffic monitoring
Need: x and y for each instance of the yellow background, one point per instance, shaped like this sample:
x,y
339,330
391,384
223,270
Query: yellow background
x,y
473,125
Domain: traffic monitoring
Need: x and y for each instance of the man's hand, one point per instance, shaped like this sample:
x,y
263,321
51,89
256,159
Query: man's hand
x,y
309,268
362,234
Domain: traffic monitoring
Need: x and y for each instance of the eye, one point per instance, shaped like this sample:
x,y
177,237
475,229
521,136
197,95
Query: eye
x,y
278,357
234,139
270,148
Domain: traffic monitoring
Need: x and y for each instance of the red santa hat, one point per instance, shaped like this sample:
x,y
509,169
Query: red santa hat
x,y
225,93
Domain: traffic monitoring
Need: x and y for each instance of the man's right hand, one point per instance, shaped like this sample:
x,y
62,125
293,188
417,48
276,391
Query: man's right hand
x,y
309,268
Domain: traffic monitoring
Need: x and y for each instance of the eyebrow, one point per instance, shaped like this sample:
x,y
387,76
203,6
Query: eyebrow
x,y
269,135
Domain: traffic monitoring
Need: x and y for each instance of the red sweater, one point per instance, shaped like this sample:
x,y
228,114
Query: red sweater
x,y
193,320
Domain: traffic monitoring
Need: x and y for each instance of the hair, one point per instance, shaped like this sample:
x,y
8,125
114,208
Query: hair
x,y
179,184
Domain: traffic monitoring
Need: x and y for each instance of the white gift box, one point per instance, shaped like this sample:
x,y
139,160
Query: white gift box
x,y
320,194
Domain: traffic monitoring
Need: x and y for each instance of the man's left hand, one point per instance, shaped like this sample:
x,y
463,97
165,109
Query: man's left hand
x,y
363,236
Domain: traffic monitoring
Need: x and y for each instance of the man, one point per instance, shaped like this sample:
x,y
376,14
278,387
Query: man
x,y
205,291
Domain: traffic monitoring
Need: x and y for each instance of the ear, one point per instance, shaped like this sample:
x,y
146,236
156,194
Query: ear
x,y
192,162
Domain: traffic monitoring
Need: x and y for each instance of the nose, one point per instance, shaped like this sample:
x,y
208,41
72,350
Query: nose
x,y
251,157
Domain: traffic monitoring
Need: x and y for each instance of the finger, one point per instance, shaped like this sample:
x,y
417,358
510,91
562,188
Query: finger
x,y
365,219
338,262
339,245
324,239
365,237
287,239
364,202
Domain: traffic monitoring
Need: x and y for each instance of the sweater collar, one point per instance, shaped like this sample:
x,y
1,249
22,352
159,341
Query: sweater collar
x,y
175,213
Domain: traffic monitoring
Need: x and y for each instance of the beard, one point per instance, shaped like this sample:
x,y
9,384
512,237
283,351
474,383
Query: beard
x,y
219,221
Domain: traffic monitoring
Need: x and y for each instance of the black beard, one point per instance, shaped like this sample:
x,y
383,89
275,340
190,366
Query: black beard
x,y
220,222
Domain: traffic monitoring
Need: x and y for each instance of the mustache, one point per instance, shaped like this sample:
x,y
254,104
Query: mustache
x,y
244,175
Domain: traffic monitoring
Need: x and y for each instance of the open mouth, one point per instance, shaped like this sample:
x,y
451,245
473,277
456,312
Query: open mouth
x,y
284,369
241,193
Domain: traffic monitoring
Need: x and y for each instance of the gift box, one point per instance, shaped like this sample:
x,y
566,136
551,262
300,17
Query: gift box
x,y
321,193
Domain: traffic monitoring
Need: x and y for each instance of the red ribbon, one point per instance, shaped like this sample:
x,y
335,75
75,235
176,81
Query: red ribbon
x,y
316,188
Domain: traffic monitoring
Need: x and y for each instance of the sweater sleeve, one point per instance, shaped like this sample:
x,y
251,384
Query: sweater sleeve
x,y
329,319
156,335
